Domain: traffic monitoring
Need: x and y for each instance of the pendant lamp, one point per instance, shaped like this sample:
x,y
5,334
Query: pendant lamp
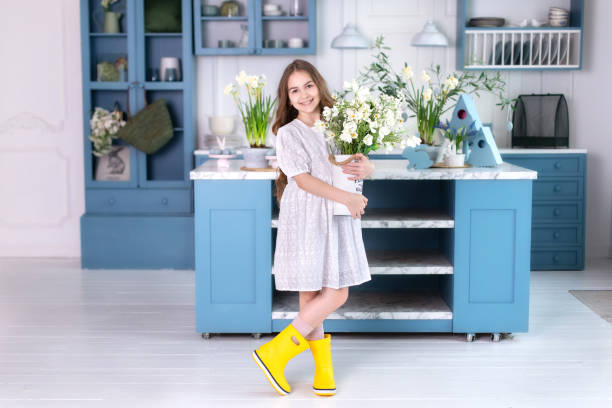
x,y
429,37
350,38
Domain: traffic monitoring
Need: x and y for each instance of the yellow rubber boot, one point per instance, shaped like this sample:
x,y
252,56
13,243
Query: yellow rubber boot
x,y
324,384
273,356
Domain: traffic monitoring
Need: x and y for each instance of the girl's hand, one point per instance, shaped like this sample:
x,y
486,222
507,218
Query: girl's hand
x,y
360,169
356,204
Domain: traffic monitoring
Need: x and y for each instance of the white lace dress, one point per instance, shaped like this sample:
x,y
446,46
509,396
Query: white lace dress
x,y
314,248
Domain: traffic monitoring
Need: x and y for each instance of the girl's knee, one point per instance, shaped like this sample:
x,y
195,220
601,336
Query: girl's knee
x,y
339,296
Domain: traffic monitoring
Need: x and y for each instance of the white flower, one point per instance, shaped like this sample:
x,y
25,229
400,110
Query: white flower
x,y
346,137
427,94
252,81
229,88
320,126
451,82
241,78
326,113
407,72
368,140
384,131
363,94
351,86
411,141
334,111
350,127
334,96
425,77
373,126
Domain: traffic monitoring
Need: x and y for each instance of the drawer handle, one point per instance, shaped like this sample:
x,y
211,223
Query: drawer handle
x,y
557,165
164,201
556,258
557,187
557,212
556,235
111,201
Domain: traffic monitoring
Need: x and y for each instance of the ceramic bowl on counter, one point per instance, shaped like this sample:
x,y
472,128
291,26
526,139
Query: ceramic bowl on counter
x,y
221,125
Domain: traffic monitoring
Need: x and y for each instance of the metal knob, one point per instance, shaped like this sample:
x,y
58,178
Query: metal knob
x,y
557,165
164,201
557,187
557,212
556,235
556,258
111,201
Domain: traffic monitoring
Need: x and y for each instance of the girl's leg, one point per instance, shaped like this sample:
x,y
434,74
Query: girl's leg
x,y
322,305
305,297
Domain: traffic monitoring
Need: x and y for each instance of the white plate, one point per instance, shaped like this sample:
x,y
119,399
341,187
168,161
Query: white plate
x,y
554,49
563,52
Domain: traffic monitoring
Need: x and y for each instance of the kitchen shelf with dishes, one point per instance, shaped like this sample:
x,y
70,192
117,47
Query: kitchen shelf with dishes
x,y
490,43
254,27
408,232
141,192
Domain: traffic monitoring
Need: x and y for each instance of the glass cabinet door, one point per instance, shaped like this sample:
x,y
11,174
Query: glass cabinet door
x,y
108,59
224,27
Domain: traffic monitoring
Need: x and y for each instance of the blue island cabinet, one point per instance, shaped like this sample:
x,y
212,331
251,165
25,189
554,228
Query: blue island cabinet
x,y
233,256
448,251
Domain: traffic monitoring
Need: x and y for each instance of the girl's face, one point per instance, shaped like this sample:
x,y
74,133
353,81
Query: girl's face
x,y
303,92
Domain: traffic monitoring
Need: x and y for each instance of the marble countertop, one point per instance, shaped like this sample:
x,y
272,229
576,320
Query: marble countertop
x,y
501,151
384,170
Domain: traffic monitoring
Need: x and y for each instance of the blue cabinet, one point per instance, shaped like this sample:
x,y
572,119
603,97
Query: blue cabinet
x,y
233,256
267,35
156,195
558,209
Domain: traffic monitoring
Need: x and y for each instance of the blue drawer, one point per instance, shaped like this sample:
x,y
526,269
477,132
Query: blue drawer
x,y
552,259
141,201
549,166
558,189
556,235
557,212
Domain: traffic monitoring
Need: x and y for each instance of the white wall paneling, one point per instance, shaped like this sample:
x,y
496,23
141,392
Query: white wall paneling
x,y
41,161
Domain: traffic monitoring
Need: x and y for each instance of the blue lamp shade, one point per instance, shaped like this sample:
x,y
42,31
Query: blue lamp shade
x,y
429,37
350,38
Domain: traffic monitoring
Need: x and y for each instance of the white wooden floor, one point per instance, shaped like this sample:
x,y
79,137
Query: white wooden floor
x,y
126,338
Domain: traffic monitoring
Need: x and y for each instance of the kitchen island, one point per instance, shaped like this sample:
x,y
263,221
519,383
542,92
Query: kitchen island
x,y
448,249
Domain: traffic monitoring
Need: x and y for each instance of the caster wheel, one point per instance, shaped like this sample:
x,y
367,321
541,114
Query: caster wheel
x,y
495,336
470,337
206,336
256,335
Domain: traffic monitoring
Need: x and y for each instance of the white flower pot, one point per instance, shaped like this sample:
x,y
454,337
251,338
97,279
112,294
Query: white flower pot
x,y
255,157
341,180
455,160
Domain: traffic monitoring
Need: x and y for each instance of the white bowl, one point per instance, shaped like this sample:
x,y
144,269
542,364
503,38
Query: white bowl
x,y
271,7
221,125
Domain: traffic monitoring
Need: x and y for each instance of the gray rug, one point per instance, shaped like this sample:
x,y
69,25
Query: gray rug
x,y
599,301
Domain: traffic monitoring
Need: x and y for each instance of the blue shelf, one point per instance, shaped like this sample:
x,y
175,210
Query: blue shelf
x,y
221,18
479,46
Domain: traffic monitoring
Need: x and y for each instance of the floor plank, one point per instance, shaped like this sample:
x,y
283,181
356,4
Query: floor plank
x,y
126,338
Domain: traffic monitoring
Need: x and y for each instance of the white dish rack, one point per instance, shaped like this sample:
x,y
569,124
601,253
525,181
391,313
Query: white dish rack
x,y
520,48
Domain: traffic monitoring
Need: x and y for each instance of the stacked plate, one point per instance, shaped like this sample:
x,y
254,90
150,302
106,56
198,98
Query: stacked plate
x,y
486,22
558,17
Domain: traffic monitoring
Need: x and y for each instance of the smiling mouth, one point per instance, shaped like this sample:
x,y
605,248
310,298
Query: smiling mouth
x,y
306,103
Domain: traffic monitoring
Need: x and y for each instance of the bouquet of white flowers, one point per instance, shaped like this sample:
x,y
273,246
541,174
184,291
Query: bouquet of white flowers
x,y
360,123
104,128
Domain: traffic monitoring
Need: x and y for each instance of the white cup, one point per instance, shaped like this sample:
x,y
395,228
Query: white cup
x,y
167,63
296,43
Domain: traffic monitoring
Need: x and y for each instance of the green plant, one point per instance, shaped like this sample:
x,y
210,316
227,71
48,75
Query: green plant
x,y
432,99
457,136
255,110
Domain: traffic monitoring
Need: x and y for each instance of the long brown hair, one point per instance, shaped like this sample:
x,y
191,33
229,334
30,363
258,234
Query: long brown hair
x,y
285,113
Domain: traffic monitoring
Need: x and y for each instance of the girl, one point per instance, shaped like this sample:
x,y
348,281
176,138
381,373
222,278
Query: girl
x,y
318,254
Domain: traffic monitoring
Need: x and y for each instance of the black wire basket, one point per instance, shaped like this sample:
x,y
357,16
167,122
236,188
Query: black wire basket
x,y
540,121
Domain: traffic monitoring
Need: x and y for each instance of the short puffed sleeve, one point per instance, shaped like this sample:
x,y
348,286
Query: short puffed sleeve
x,y
291,156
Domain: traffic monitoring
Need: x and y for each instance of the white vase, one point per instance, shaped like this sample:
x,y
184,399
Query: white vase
x,y
255,157
341,181
455,160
